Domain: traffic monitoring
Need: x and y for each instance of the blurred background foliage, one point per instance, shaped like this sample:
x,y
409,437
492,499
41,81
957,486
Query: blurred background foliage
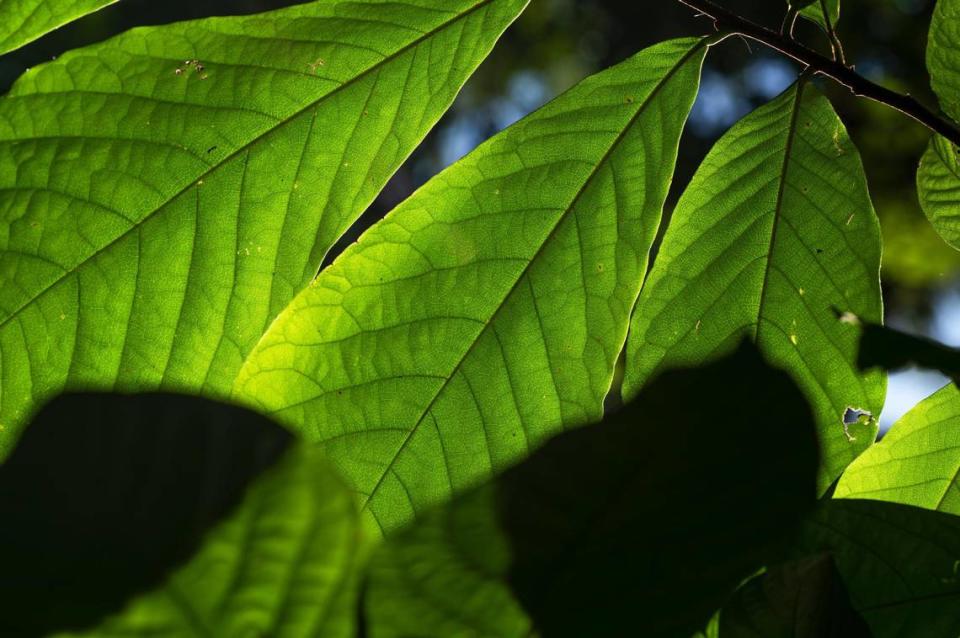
x,y
558,42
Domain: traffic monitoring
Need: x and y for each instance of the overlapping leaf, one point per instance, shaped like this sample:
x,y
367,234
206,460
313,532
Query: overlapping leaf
x,y
917,462
775,231
163,195
23,21
800,599
487,312
286,564
639,525
899,564
106,493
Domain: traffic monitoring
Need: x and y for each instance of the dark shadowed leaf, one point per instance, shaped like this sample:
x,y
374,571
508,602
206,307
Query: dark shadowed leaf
x,y
900,564
801,599
286,564
640,525
890,349
106,493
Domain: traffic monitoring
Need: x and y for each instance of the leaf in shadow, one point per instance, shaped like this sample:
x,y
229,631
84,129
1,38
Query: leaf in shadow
x,y
105,493
801,599
898,563
640,525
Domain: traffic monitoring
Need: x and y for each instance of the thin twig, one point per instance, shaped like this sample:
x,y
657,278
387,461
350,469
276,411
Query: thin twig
x,y
822,65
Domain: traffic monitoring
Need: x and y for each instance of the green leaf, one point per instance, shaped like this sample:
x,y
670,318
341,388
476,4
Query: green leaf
x,y
165,194
105,493
284,565
938,186
638,526
23,21
917,462
487,311
943,55
775,230
899,564
800,599
825,13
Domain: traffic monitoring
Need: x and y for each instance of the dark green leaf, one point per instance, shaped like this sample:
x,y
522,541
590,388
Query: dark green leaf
x,y
801,599
23,21
487,312
775,229
106,493
166,193
900,564
641,525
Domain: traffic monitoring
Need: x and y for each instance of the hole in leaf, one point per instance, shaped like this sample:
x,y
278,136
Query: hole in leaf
x,y
855,416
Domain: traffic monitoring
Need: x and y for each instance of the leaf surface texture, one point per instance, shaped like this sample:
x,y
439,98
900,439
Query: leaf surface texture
x,y
166,193
774,233
917,462
486,312
23,21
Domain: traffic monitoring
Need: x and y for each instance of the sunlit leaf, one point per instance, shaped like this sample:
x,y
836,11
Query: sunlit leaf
x,y
23,21
638,526
938,186
487,311
163,195
917,462
775,230
943,55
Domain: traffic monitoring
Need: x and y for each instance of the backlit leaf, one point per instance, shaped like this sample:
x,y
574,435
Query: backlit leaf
x,y
938,186
637,526
774,232
943,55
917,462
165,194
486,312
23,21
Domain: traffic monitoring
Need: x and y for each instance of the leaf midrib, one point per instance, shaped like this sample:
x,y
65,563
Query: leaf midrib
x,y
237,152
778,206
560,218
